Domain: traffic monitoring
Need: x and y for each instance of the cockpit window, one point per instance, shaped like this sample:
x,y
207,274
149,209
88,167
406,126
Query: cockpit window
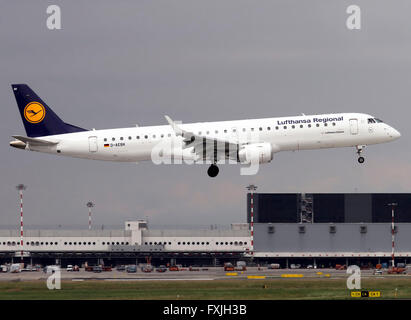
x,y
378,120
371,120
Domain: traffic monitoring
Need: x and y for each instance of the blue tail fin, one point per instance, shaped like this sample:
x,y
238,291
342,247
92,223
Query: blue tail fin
x,y
38,119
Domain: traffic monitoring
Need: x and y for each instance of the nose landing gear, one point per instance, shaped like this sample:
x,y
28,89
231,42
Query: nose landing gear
x,y
213,171
359,151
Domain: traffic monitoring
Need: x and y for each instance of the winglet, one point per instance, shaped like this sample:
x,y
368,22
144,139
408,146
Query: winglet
x,y
178,131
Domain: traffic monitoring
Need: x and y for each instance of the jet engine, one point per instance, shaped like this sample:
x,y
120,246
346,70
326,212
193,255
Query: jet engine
x,y
255,153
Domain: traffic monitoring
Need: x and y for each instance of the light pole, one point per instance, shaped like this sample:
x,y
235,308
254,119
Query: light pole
x,y
252,188
21,187
89,206
392,205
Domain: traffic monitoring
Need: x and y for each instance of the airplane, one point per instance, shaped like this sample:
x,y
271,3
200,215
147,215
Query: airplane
x,y
241,141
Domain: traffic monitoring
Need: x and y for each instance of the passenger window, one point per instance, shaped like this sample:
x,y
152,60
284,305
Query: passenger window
x,y
121,138
146,137
293,126
301,126
268,128
317,124
276,128
325,124
309,125
113,139
285,127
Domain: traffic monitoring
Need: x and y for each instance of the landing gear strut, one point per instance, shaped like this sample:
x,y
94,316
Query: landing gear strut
x,y
213,171
359,151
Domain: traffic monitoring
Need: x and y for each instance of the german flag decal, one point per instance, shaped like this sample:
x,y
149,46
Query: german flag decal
x,y
106,145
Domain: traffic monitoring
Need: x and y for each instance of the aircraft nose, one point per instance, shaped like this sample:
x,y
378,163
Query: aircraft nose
x,y
395,134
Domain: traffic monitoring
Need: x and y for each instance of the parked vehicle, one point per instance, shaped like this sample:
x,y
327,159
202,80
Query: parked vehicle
x,y
4,268
161,268
241,266
131,268
396,270
173,268
106,268
147,268
97,269
274,266
340,267
228,266
121,268
88,268
377,272
69,268
295,266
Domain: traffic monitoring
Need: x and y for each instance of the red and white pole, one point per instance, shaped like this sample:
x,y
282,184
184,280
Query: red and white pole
x,y
89,205
20,188
252,188
21,225
252,222
392,205
392,236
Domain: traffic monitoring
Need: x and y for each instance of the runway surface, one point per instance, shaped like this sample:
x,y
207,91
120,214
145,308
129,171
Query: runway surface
x,y
212,273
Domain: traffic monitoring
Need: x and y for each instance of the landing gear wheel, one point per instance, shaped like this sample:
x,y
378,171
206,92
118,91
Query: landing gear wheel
x,y
359,152
213,171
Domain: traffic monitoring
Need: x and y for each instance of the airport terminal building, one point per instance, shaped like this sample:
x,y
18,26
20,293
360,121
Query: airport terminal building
x,y
308,229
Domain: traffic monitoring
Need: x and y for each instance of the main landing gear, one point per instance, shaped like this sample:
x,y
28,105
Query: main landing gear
x,y
213,171
359,151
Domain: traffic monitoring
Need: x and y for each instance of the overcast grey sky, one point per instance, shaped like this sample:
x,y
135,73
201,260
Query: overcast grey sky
x,y
118,63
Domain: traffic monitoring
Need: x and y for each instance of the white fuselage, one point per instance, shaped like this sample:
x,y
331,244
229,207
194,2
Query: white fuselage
x,y
284,134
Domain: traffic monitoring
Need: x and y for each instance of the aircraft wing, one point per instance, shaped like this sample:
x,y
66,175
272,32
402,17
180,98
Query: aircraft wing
x,y
35,141
206,147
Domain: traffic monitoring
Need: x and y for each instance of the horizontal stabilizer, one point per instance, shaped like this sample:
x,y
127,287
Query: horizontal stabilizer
x,y
36,142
